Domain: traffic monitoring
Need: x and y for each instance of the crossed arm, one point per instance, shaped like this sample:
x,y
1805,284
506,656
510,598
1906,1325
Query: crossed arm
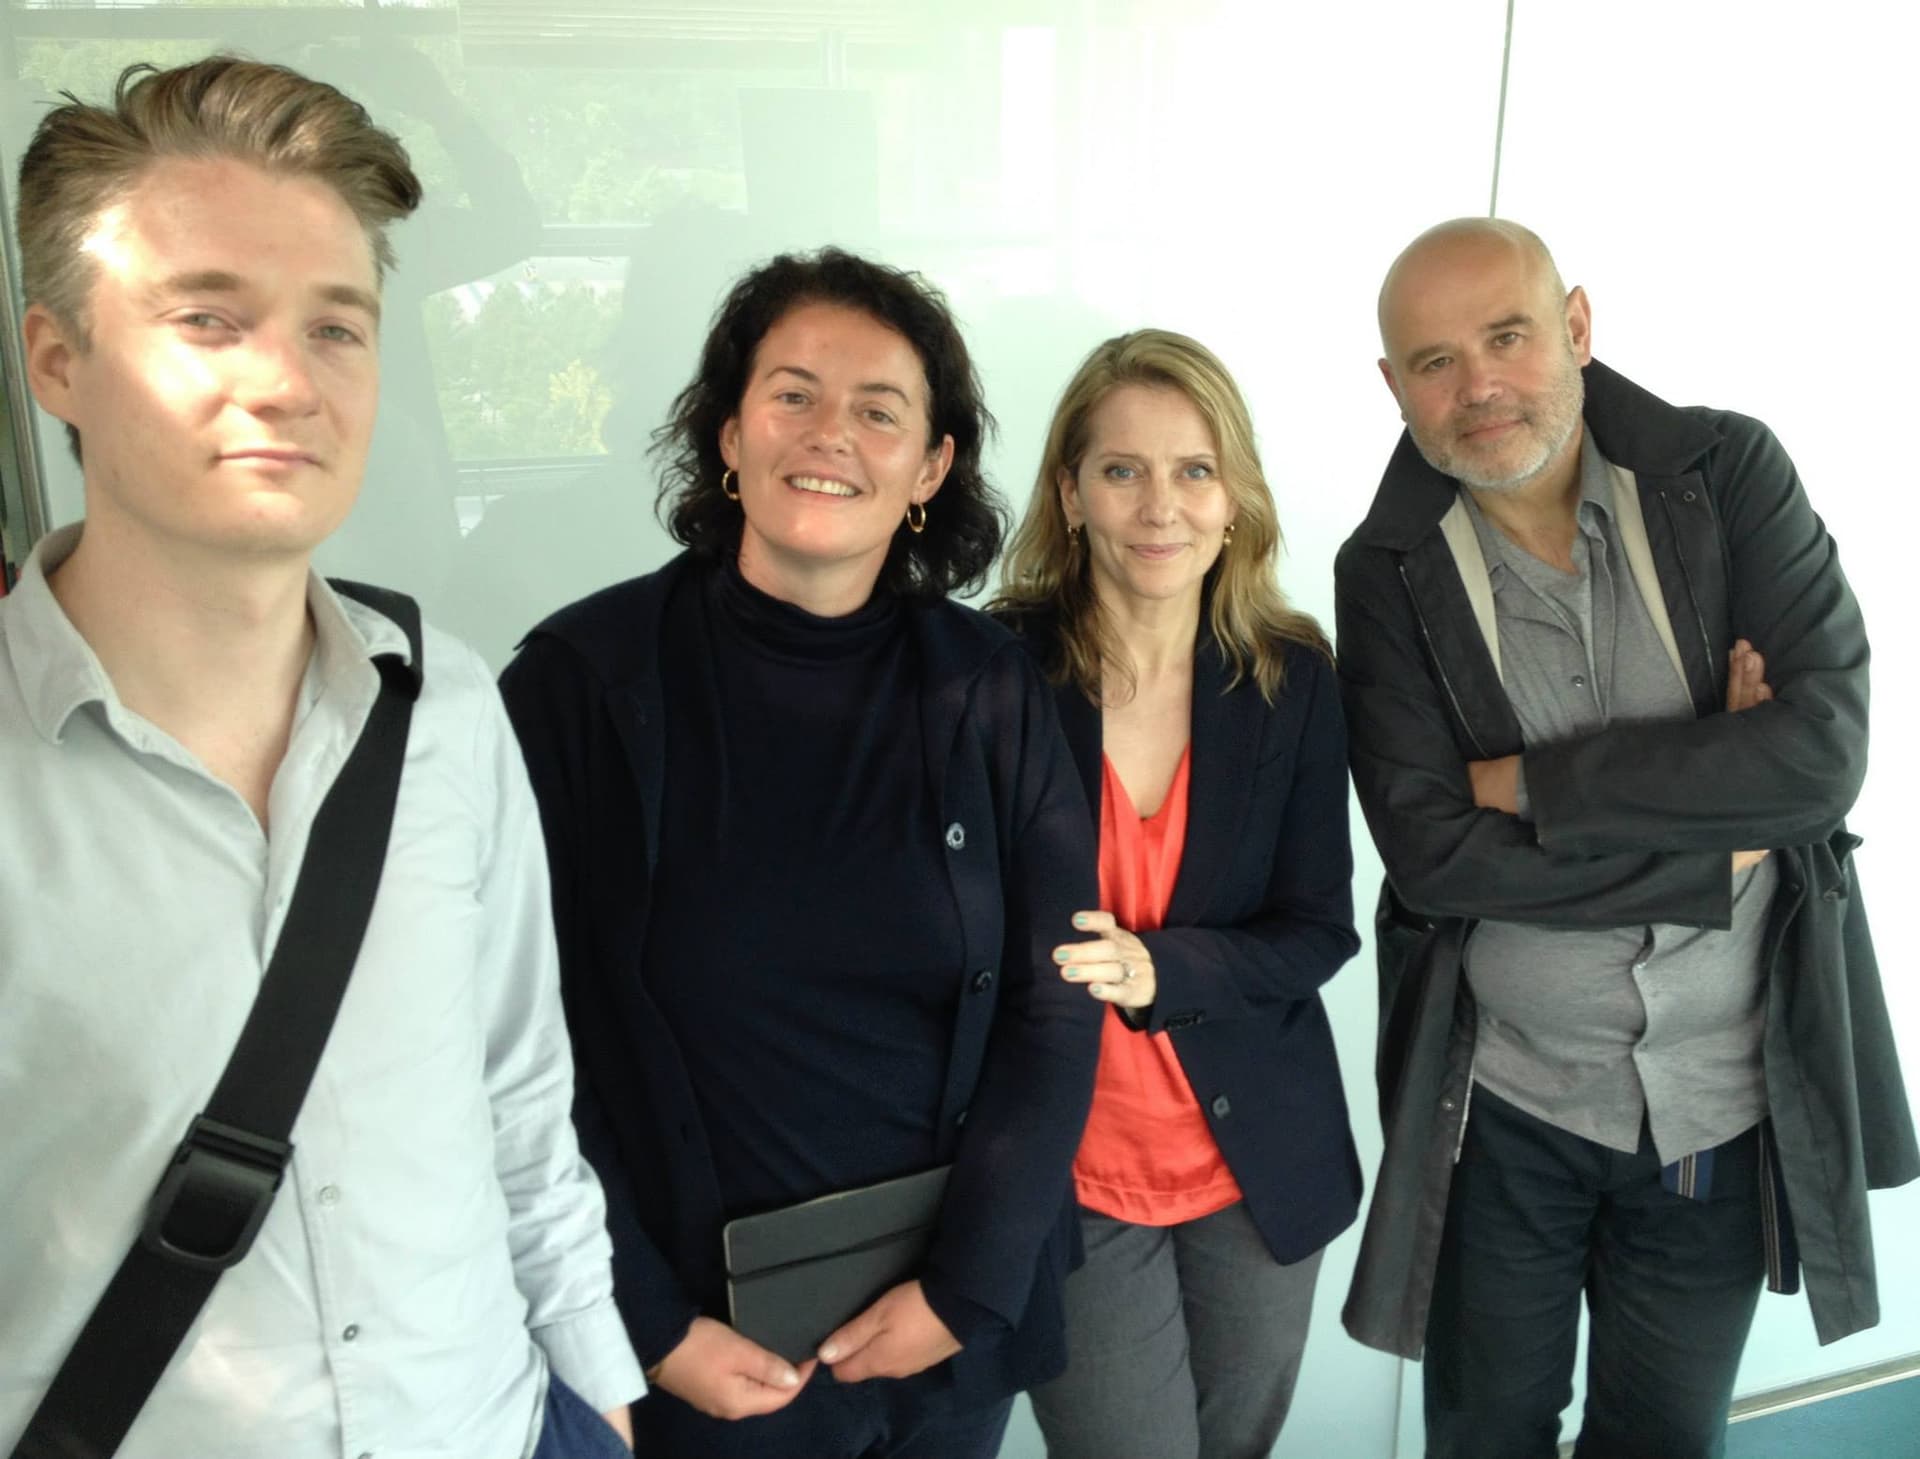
x,y
1496,783
1635,823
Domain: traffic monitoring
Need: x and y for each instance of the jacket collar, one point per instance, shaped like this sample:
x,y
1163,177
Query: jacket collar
x,y
1631,427
1226,732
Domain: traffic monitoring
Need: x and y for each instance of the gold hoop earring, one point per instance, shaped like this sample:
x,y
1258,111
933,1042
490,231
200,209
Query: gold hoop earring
x,y
916,517
725,477
1226,535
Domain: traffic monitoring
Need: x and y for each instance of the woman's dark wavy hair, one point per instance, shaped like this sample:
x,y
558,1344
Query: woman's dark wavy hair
x,y
965,521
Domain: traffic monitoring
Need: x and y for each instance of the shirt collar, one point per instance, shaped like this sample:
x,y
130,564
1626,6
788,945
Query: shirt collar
x,y
1596,477
1596,492
58,671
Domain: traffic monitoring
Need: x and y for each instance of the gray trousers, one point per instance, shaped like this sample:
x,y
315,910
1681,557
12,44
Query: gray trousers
x,y
1182,1342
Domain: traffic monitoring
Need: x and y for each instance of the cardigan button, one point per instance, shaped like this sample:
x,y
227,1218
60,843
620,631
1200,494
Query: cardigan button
x,y
956,836
1832,894
1449,1104
983,980
960,1119
1686,496
1222,1107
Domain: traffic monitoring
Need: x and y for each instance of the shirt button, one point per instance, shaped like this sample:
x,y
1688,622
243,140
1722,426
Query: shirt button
x,y
329,1195
956,836
1449,1104
983,980
350,1332
1222,1107
1579,681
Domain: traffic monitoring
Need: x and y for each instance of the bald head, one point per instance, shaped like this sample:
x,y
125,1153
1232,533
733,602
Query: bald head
x,y
1463,243
1482,347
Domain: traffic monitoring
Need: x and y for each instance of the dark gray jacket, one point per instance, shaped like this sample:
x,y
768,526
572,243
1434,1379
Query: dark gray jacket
x,y
1633,824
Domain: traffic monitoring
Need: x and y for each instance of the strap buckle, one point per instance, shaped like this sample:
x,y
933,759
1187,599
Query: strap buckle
x,y
214,1196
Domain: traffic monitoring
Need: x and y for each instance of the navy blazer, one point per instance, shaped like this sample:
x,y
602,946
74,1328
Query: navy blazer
x,y
584,695
1261,917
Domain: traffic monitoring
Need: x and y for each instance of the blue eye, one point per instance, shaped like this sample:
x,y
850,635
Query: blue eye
x,y
1121,473
338,334
1198,471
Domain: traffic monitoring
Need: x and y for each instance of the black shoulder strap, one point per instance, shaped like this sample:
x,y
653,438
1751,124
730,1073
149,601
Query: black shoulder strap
x,y
220,1184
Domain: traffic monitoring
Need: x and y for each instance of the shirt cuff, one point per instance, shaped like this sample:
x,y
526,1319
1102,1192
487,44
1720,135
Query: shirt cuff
x,y
592,1356
1523,807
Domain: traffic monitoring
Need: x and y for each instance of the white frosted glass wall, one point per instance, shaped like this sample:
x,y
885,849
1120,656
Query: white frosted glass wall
x,y
1730,186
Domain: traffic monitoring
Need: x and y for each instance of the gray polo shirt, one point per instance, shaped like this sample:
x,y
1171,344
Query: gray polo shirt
x,y
1590,1030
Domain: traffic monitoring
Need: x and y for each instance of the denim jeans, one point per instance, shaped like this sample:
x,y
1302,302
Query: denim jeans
x,y
571,1429
1538,1219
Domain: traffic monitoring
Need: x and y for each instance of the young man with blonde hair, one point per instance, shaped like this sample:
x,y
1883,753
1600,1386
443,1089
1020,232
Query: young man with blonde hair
x,y
179,692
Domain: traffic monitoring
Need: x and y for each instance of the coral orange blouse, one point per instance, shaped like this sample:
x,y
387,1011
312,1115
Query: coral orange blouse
x,y
1147,1155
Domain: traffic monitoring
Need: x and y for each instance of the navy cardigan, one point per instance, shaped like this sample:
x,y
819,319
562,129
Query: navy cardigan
x,y
1261,917
584,696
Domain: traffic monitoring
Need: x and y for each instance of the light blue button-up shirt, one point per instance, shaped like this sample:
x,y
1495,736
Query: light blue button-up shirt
x,y
438,1242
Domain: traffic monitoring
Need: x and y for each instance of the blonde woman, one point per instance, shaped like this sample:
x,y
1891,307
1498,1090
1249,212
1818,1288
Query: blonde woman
x,y
1204,717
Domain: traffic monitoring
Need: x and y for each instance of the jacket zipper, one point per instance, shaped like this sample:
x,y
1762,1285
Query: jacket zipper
x,y
1433,654
1686,576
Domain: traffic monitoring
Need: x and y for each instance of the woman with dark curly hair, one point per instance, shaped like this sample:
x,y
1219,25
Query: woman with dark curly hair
x,y
813,834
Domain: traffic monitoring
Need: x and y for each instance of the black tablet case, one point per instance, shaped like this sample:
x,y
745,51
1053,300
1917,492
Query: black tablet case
x,y
796,1274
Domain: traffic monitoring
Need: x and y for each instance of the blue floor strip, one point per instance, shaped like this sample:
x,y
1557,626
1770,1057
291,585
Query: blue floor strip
x,y
1875,1423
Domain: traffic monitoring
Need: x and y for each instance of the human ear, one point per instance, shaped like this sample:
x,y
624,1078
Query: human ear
x,y
50,354
1069,489
1580,324
938,463
1393,388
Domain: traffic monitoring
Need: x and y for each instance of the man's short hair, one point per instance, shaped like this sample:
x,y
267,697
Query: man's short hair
x,y
83,159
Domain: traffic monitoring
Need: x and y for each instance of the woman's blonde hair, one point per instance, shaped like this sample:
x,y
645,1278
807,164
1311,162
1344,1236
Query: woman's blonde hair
x,y
1046,567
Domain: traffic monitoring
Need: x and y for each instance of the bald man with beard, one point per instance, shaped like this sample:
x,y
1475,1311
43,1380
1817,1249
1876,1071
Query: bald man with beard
x,y
1607,693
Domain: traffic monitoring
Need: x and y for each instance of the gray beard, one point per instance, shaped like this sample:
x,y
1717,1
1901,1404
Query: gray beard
x,y
1446,466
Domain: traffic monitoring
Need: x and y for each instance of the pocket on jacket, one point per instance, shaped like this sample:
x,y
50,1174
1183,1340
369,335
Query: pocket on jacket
x,y
1832,865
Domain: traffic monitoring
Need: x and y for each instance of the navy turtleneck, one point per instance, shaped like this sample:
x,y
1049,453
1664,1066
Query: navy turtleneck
x,y
803,938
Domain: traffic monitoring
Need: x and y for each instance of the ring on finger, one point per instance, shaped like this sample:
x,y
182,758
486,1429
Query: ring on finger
x,y
1127,970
